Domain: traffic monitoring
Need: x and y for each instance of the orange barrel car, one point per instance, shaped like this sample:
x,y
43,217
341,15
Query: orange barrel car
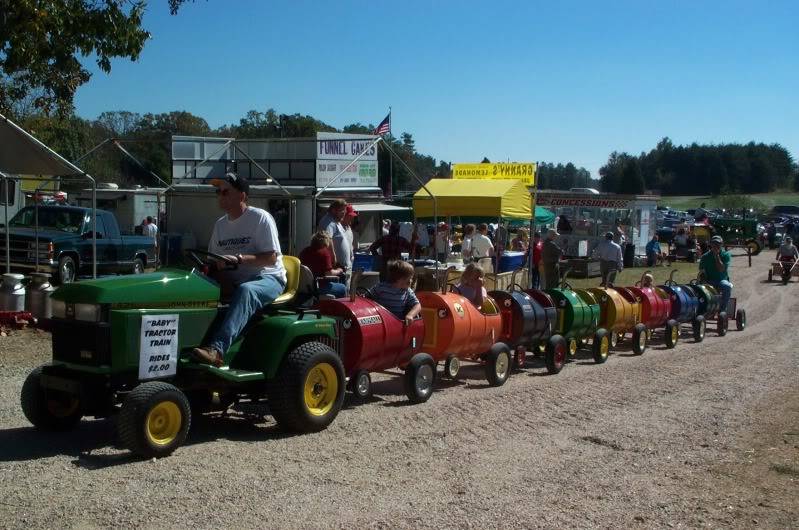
x,y
656,312
372,339
528,320
620,312
456,330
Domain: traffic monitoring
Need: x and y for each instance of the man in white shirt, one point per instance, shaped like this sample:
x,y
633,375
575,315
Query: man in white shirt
x,y
483,248
610,260
151,229
248,237
331,223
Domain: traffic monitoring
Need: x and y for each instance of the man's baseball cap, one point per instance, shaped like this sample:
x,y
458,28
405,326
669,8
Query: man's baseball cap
x,y
716,239
240,183
351,211
608,235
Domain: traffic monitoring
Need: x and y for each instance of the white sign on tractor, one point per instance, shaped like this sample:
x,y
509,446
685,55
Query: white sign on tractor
x,y
158,350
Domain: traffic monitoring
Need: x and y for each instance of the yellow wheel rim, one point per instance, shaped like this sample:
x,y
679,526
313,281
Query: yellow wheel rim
x,y
674,334
321,389
572,347
163,423
604,346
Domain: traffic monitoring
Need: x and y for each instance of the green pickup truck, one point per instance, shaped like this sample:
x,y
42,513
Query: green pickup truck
x,y
65,243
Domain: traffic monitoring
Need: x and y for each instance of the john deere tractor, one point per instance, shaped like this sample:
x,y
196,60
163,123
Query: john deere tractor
x,y
120,347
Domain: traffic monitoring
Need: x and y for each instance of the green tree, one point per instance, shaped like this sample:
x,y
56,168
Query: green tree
x,y
632,181
41,42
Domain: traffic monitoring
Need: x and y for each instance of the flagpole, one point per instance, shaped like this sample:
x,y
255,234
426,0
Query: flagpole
x,y
391,162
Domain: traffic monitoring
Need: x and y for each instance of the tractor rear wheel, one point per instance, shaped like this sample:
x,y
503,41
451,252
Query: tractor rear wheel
x,y
699,328
419,377
46,409
601,346
672,333
307,392
498,364
639,339
154,419
556,349
740,319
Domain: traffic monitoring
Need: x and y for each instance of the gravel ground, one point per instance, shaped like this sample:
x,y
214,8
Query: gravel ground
x,y
705,435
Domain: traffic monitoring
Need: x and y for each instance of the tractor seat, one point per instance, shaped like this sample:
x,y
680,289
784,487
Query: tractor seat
x,y
292,266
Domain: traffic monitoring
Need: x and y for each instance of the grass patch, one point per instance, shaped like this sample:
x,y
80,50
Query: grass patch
x,y
685,272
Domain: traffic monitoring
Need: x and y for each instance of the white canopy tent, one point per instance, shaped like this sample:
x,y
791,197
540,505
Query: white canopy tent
x,y
22,154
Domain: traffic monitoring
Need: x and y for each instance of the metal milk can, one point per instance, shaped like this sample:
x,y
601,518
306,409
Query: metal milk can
x,y
37,295
12,293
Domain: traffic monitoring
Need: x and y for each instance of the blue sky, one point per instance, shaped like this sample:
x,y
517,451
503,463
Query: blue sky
x,y
524,81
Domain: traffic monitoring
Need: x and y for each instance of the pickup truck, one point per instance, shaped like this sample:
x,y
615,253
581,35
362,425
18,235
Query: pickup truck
x,y
65,243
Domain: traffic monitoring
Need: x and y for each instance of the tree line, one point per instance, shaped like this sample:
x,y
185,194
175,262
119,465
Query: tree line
x,y
701,169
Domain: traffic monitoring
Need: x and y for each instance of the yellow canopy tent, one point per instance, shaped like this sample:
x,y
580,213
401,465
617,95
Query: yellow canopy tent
x,y
509,199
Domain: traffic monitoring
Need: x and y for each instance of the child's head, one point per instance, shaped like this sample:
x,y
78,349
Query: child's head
x,y
471,273
482,228
320,239
399,273
468,230
522,234
648,280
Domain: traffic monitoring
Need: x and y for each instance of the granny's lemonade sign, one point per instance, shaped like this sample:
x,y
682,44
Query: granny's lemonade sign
x,y
158,352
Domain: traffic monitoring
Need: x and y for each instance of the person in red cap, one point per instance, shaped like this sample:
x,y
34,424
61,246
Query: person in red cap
x,y
248,237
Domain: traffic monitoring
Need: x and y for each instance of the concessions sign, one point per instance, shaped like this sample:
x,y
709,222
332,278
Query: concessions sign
x,y
524,171
548,200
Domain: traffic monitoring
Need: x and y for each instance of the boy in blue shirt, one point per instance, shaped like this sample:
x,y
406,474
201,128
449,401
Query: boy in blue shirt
x,y
396,294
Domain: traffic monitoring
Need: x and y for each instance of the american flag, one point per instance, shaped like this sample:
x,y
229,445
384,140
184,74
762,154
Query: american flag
x,y
384,127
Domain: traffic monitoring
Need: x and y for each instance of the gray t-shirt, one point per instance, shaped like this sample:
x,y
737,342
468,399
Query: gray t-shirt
x,y
252,233
342,245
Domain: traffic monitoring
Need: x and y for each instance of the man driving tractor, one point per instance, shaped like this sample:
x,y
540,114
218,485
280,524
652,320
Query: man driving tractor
x,y
247,240
713,266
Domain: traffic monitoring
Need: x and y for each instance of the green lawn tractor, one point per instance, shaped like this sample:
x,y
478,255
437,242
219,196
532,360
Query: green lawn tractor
x,y
120,348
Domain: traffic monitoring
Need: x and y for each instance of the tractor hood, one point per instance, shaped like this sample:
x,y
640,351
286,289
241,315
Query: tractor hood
x,y
162,289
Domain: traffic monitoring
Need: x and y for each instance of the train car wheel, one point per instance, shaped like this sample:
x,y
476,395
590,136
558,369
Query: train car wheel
x,y
556,349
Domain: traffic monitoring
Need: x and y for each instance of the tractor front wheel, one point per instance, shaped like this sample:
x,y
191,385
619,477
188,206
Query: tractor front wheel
x,y
307,392
46,409
154,419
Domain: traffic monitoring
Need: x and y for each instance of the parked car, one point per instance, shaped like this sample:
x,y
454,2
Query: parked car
x,y
65,243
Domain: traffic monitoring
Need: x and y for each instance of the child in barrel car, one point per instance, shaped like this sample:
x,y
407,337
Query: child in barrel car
x,y
472,285
395,294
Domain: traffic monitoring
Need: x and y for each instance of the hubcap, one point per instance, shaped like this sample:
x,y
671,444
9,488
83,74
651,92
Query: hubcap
x,y
454,366
62,408
363,384
321,388
674,334
604,345
501,366
67,272
163,423
572,346
642,341
424,380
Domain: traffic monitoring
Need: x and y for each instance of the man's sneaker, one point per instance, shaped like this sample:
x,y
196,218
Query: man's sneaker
x,y
207,355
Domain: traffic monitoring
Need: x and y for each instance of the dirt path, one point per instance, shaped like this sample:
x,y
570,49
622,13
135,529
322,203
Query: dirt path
x,y
702,435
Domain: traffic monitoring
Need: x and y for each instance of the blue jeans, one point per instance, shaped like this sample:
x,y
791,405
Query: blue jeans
x,y
248,298
725,287
339,290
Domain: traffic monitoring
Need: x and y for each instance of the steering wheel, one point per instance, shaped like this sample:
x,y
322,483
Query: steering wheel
x,y
194,255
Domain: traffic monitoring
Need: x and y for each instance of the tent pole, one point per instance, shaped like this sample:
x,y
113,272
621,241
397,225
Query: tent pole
x,y
5,226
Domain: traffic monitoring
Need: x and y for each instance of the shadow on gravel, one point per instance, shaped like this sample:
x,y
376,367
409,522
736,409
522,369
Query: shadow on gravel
x,y
27,443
